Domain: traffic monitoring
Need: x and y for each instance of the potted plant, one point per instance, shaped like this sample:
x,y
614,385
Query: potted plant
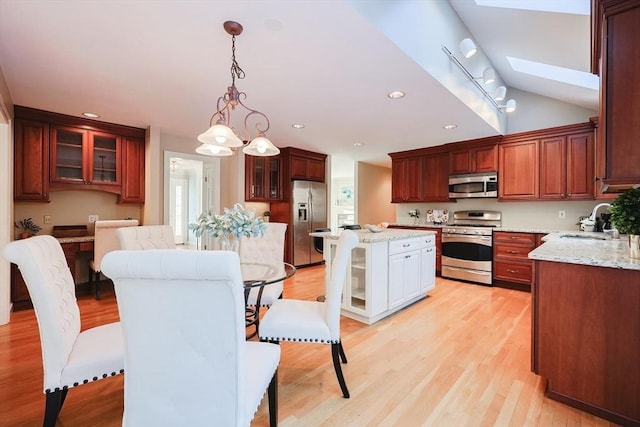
x,y
266,216
625,216
28,227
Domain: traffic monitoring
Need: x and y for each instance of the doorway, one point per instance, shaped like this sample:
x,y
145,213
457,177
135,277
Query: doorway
x,y
191,187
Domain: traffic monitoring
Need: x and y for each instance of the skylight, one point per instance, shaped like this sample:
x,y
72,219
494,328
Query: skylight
x,y
552,72
575,7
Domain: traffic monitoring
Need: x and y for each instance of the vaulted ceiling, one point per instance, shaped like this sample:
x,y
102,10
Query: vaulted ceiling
x,y
324,64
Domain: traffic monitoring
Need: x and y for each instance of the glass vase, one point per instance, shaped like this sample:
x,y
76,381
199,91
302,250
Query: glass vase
x,y
229,243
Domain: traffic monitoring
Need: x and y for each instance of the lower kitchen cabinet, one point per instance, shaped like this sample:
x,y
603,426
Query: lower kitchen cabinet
x,y
511,265
438,246
385,276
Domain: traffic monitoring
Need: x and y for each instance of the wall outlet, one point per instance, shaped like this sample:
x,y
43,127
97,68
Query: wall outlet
x,y
561,214
93,218
47,219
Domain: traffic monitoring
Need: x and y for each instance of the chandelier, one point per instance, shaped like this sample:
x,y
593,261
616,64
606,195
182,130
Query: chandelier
x,y
221,136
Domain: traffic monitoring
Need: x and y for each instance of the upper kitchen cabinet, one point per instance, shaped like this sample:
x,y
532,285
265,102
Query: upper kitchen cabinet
x,y
474,156
71,153
82,157
406,179
263,178
616,48
31,161
519,174
435,173
567,166
548,164
132,160
303,164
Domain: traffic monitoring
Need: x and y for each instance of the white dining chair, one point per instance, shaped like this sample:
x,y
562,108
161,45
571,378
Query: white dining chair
x,y
187,360
315,321
267,249
147,237
105,240
70,357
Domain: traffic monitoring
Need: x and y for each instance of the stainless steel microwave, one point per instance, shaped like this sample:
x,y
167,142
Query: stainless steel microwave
x,y
473,185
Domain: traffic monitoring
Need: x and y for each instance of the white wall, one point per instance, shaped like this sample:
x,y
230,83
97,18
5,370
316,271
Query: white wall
x,y
374,194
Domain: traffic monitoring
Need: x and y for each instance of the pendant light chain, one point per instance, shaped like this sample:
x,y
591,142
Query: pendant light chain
x,y
236,71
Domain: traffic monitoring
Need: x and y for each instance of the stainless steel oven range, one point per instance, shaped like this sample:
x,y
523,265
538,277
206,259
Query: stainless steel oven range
x,y
467,246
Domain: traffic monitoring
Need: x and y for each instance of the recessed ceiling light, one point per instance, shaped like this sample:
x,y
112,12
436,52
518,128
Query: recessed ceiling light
x,y
90,115
449,127
358,144
396,94
297,125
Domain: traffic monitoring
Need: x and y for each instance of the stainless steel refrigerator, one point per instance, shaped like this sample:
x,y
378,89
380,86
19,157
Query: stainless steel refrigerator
x,y
309,213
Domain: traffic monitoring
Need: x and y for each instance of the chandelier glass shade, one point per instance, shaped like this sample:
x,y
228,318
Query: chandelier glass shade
x,y
221,137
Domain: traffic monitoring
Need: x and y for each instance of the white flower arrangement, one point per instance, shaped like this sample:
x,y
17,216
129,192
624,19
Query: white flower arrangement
x,y
234,223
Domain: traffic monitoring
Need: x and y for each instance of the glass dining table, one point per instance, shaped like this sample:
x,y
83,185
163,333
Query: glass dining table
x,y
258,275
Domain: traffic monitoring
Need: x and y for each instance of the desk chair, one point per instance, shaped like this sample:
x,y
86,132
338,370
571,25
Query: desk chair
x,y
268,249
146,237
70,358
187,360
315,321
105,241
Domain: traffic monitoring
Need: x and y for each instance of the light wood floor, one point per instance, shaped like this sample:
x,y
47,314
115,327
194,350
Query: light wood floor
x,y
460,357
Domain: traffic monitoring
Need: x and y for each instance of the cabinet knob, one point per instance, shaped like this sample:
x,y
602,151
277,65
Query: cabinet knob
x,y
512,271
509,251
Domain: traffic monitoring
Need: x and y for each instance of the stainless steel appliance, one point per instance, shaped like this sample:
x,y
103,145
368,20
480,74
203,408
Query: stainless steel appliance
x,y
473,185
467,246
309,204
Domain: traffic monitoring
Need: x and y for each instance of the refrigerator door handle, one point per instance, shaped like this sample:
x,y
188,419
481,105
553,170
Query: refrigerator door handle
x,y
310,195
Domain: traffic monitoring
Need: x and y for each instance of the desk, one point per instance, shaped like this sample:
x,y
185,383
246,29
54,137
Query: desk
x,y
259,275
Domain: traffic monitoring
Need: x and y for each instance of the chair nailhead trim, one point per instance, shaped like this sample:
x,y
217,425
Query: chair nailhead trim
x,y
86,381
318,340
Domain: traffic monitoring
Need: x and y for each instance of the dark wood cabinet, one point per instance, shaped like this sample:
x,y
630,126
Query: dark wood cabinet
x,y
511,265
31,161
406,180
56,152
83,157
133,160
263,179
518,178
567,167
482,158
586,338
435,172
617,48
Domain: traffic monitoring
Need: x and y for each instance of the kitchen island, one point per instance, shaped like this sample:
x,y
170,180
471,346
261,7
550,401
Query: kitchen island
x,y
388,271
586,324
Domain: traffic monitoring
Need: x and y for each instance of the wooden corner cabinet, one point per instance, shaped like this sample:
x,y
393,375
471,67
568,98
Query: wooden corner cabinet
x,y
420,175
616,46
55,152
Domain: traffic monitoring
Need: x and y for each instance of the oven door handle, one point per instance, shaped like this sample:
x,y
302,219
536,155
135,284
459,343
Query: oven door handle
x,y
466,238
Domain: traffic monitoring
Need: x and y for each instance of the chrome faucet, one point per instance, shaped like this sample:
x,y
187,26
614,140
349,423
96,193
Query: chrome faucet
x,y
593,216
589,223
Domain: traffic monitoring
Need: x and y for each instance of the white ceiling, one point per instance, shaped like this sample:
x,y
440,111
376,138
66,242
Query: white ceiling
x,y
165,63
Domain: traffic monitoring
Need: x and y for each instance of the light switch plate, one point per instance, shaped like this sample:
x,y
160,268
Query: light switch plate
x,y
561,214
47,219
93,218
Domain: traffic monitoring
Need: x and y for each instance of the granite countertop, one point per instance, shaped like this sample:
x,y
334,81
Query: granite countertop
x,y
366,236
512,229
586,248
76,239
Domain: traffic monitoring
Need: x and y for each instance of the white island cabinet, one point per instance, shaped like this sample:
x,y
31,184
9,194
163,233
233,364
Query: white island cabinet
x,y
387,271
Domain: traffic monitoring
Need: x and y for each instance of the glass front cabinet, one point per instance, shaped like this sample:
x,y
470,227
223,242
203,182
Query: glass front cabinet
x,y
80,156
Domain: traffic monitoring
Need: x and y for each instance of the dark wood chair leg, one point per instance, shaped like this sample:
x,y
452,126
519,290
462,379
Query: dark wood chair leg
x,y
335,354
53,406
97,280
343,356
273,400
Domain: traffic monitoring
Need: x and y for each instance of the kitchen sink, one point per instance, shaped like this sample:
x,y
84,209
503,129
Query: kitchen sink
x,y
590,236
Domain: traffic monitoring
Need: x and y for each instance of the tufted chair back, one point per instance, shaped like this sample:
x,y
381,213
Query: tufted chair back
x,y
186,356
146,237
69,357
268,249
